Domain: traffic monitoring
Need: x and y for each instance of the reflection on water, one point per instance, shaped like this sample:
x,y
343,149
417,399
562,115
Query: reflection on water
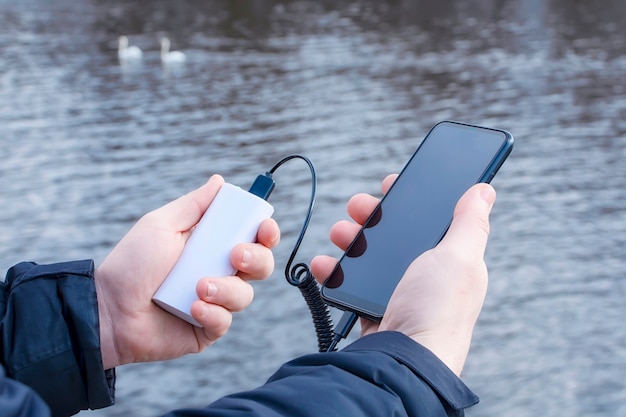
x,y
90,145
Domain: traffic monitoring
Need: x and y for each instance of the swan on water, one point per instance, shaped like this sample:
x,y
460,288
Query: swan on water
x,y
168,56
125,52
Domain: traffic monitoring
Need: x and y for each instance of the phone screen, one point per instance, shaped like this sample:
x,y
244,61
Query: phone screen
x,y
415,214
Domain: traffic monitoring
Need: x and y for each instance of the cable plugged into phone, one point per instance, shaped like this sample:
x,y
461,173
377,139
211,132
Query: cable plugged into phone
x,y
342,329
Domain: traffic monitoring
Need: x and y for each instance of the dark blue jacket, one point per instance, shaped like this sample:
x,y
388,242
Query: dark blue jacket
x,y
50,350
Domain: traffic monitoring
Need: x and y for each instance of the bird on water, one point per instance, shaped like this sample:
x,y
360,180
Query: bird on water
x,y
126,52
170,57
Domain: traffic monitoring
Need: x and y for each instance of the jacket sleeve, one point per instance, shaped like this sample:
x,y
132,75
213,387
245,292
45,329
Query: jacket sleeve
x,y
50,336
384,374
18,400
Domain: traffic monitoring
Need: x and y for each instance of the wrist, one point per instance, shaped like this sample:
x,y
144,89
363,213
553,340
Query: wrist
x,y
108,350
450,350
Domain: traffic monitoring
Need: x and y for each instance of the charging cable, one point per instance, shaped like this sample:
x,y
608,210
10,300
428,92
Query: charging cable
x,y
300,275
342,329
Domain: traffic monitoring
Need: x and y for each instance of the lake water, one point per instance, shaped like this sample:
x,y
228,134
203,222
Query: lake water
x,y
89,145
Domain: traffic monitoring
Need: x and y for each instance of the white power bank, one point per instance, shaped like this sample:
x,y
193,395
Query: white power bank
x,y
233,217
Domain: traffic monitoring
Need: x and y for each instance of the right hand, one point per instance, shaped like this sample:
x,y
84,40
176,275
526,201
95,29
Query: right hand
x,y
135,329
438,300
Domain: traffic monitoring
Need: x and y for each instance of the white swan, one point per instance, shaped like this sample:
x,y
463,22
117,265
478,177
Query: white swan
x,y
125,52
170,57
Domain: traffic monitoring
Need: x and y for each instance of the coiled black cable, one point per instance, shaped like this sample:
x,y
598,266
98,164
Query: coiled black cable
x,y
300,274
320,313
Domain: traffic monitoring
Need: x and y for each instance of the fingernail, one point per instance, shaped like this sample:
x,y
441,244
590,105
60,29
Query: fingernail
x,y
488,195
276,237
246,257
211,290
206,310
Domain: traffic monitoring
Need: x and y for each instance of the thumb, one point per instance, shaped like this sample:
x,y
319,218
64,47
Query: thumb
x,y
470,224
186,211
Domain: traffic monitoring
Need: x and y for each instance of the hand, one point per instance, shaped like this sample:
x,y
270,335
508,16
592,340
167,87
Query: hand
x,y
438,300
132,327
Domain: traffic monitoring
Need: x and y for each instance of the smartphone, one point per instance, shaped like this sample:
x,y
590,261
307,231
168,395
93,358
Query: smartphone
x,y
414,215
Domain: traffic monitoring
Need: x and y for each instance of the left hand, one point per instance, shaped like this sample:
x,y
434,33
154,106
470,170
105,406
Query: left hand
x,y
132,327
438,299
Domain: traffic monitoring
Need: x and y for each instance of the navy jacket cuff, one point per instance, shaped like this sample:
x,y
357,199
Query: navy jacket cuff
x,y
50,335
422,362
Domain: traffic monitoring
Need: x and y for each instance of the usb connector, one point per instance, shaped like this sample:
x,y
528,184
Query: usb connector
x,y
342,329
263,186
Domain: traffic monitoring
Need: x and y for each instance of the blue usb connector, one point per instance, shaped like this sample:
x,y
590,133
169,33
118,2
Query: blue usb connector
x,y
263,186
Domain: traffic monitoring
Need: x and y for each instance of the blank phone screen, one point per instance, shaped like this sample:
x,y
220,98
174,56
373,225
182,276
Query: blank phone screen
x,y
414,215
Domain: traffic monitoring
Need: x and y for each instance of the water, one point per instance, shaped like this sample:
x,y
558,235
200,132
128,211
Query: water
x,y
89,145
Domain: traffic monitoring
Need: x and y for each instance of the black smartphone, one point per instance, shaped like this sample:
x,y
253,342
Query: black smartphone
x,y
415,214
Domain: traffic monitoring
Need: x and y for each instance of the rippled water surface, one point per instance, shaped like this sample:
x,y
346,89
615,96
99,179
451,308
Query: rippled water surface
x,y
88,145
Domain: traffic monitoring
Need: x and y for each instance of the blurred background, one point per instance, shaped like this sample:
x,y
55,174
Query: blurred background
x,y
89,143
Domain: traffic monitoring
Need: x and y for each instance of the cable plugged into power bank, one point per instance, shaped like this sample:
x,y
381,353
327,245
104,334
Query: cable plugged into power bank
x,y
234,217
263,186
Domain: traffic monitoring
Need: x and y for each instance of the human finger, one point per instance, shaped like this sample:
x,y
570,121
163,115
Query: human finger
x,y
388,182
232,293
470,224
214,319
343,233
252,260
322,266
186,211
269,233
361,206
